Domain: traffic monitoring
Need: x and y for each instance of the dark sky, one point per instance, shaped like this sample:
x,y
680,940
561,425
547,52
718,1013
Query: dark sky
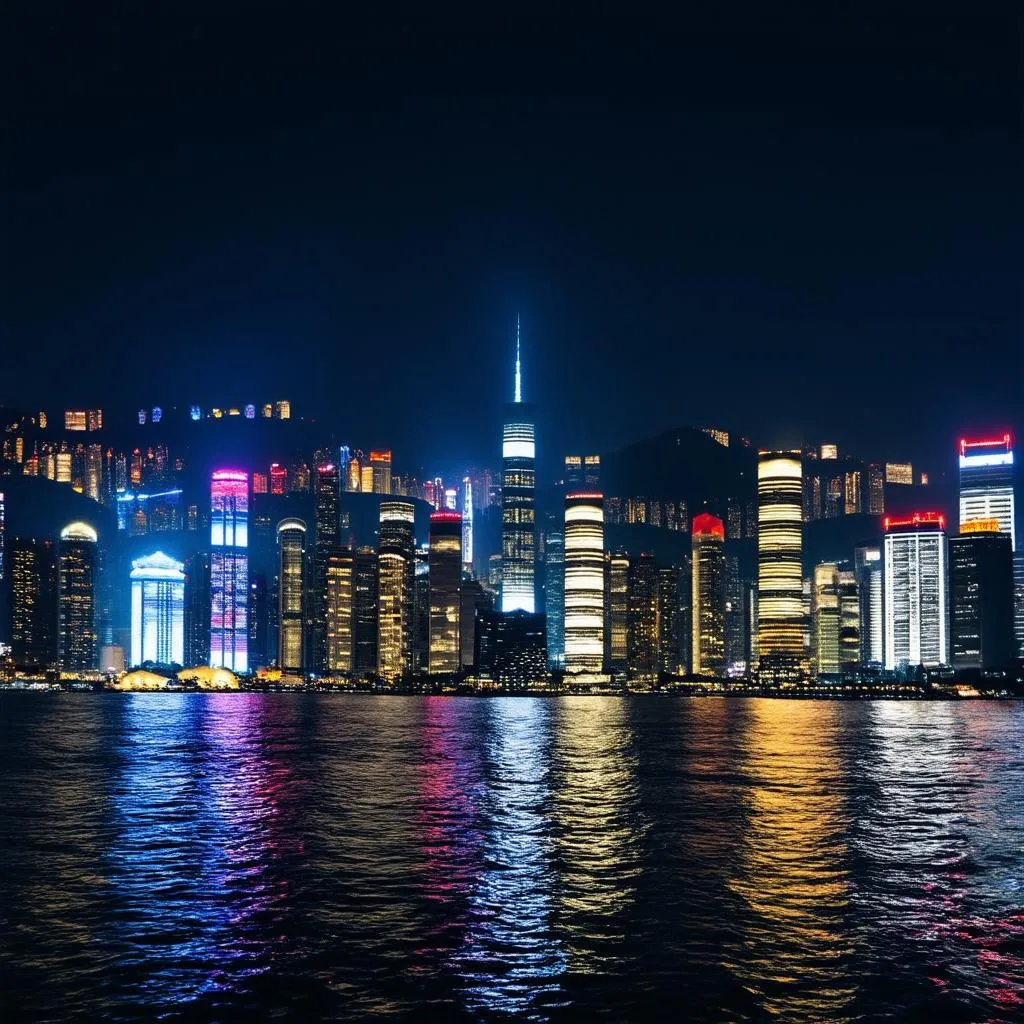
x,y
792,224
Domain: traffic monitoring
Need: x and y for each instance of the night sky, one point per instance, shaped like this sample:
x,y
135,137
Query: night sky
x,y
797,226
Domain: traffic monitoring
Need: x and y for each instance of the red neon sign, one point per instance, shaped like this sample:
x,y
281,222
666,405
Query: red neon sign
x,y
917,519
707,525
995,442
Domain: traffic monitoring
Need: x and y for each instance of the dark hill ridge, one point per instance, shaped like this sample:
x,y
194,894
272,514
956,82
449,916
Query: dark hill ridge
x,y
682,463
37,507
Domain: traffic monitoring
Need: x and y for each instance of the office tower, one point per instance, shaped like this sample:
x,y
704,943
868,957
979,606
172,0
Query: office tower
x,y
291,595
283,409
74,419
445,583
511,648
366,479
344,462
829,451
76,608
554,598
380,471
260,618
584,582
419,647
94,471
867,567
364,612
518,502
582,472
1018,601
851,492
708,596
779,553
278,479
197,609
3,534
618,614
395,574
915,591
33,602
981,596
327,491
668,620
986,483
467,524
876,490
849,622
229,570
642,609
158,610
825,619
340,610
736,640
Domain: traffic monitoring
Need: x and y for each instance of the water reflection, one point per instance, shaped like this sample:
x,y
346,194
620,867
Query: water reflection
x,y
512,960
791,865
598,829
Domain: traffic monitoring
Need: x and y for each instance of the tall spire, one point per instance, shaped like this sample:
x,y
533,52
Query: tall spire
x,y
519,371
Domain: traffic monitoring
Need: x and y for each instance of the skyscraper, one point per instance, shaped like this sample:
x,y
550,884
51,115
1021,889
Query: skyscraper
x,y
668,619
981,596
915,603
708,596
158,610
340,610
229,570
618,614
867,567
76,582
364,612
33,602
849,622
467,524
197,609
584,582
395,555
518,502
327,488
380,471
779,554
554,598
825,619
291,595
643,605
445,585
986,483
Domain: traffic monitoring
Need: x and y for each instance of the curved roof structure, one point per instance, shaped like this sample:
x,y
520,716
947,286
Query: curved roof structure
x,y
79,531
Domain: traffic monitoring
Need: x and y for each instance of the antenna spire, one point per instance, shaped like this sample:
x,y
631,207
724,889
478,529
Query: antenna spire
x,y
519,371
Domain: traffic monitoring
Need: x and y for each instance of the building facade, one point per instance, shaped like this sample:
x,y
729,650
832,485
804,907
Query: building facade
x,y
395,569
291,595
158,610
987,483
340,611
584,582
445,581
707,655
76,582
229,570
916,602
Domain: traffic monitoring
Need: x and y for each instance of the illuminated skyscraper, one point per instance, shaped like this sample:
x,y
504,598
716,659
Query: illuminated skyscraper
x,y
986,483
618,613
364,612
33,578
291,595
76,582
467,524
554,598
708,596
380,466
445,583
916,608
584,582
867,567
327,490
229,570
981,596
849,622
876,490
340,595
395,555
518,502
158,610
643,634
197,609
779,554
825,619
668,619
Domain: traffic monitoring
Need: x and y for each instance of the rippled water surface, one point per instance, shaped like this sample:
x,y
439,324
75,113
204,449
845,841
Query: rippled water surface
x,y
226,857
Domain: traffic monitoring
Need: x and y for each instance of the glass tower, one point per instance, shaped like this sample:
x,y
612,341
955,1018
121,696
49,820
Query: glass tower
x,y
229,570
707,594
76,600
518,502
986,483
445,586
158,610
291,595
584,582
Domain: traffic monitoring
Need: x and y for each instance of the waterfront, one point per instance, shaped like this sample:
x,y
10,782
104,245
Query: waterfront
x,y
215,857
